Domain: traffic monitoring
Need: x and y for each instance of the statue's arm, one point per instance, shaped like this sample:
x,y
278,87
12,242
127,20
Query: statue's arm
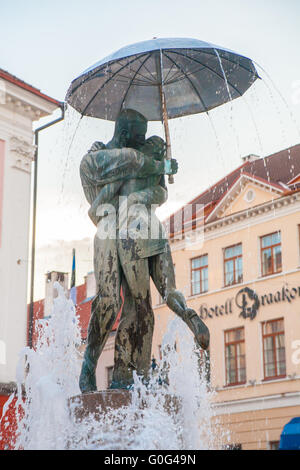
x,y
156,195
109,165
107,194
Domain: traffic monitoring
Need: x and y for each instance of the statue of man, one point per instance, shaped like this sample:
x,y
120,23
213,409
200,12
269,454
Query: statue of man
x,y
129,172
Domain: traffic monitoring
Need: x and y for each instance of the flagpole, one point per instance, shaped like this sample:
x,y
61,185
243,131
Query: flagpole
x,y
73,279
73,276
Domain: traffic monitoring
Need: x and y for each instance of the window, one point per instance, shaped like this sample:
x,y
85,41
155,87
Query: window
x,y
273,445
250,195
233,447
270,246
160,352
109,374
199,275
235,359
273,349
233,265
299,240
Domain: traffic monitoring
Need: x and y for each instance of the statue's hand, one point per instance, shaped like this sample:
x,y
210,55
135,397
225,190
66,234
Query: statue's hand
x,y
97,146
171,166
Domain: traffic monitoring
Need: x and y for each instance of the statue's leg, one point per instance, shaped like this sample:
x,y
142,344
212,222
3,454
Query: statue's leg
x,y
138,317
125,341
163,275
105,308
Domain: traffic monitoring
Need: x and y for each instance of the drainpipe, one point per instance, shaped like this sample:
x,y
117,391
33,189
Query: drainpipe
x,y
36,142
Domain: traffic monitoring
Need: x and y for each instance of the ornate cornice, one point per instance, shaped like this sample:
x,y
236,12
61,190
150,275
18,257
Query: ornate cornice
x,y
258,403
22,107
261,209
22,154
19,101
237,188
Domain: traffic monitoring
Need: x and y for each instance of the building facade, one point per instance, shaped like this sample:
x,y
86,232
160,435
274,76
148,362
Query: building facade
x,y
243,279
237,260
20,105
242,276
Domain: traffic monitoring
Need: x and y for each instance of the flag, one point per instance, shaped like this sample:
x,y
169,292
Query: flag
x,y
73,280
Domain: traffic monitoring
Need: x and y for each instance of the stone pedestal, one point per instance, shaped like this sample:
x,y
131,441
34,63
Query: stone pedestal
x,y
97,402
105,419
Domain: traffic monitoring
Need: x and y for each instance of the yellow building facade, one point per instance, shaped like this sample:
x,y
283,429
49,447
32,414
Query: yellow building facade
x,y
237,261
242,276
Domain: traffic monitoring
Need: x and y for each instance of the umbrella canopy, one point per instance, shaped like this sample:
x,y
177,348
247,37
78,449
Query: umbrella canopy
x,y
290,436
189,75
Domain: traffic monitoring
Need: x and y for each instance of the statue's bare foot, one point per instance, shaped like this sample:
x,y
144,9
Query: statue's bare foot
x,y
197,326
87,379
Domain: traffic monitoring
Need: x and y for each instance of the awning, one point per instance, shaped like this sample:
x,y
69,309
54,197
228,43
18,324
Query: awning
x,y
290,436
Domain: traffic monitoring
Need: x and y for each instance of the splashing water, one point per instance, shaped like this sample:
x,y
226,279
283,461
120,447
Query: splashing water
x,y
51,378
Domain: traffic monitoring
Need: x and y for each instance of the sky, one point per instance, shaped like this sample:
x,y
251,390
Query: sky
x,y
49,43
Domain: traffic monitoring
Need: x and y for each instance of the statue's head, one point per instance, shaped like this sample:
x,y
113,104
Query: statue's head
x,y
155,147
130,128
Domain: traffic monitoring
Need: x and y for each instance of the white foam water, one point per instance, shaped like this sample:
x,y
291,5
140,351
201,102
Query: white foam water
x,y
51,377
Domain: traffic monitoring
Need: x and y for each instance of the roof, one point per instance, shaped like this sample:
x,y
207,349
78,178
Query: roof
x,y
244,176
280,167
83,311
17,81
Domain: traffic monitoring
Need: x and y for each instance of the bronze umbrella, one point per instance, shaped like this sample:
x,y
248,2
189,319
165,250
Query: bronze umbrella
x,y
162,79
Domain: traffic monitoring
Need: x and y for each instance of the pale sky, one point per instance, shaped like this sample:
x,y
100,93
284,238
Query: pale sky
x,y
49,43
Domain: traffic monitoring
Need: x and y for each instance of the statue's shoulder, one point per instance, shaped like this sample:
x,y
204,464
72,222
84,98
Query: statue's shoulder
x,y
97,146
92,153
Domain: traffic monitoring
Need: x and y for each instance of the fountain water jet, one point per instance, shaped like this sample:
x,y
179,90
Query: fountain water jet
x,y
173,411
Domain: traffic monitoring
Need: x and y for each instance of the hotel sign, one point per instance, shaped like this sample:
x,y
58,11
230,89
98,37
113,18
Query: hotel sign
x,y
217,310
249,302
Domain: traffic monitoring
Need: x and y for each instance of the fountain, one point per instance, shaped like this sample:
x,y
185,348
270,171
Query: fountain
x,y
172,411
169,406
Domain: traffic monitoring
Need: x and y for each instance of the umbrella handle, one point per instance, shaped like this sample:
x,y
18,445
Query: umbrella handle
x,y
168,157
164,111
167,132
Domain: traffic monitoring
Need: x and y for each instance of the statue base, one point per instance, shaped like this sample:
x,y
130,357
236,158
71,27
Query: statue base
x,y
98,402
103,425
